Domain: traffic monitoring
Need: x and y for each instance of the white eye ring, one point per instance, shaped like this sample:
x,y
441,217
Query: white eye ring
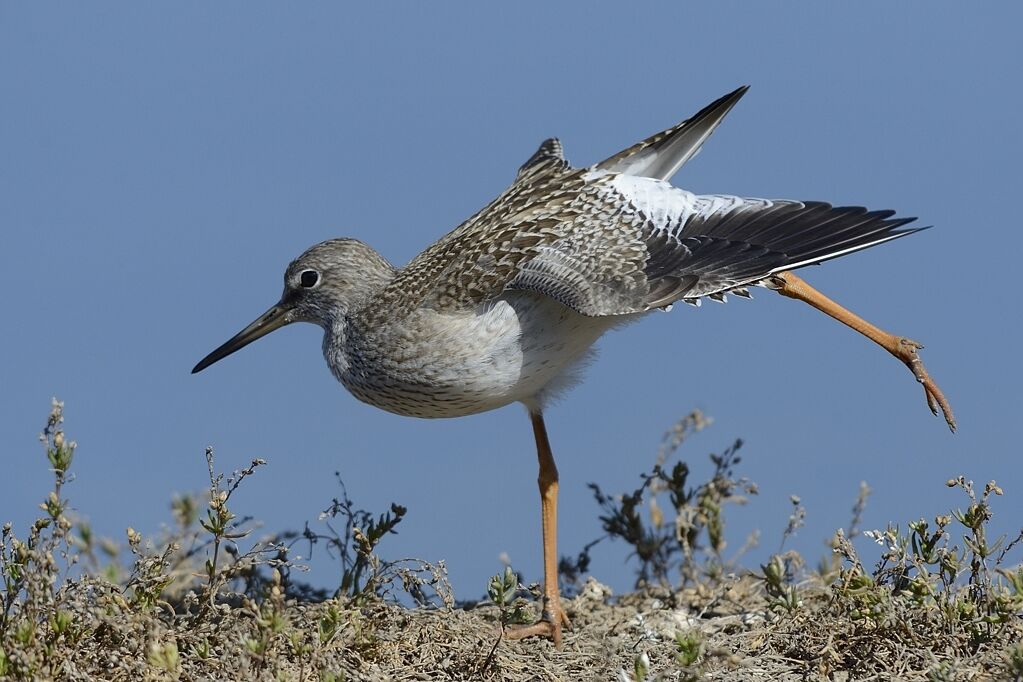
x,y
309,278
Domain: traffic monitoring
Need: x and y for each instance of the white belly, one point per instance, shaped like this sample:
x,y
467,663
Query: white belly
x,y
521,347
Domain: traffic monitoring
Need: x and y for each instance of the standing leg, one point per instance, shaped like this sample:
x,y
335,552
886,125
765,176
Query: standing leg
x,y
554,618
788,284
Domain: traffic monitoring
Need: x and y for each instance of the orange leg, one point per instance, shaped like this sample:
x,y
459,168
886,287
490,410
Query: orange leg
x,y
788,284
554,618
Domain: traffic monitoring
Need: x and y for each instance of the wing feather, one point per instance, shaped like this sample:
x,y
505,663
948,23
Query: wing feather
x,y
608,243
660,156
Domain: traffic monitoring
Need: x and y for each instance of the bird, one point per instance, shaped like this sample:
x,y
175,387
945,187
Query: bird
x,y
506,307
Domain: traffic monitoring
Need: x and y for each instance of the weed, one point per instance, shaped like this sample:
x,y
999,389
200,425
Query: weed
x,y
693,542
363,574
639,672
1014,663
938,600
506,593
31,601
220,521
945,578
779,581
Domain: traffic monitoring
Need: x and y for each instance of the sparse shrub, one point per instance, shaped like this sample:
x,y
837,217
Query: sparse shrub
x,y
693,542
364,575
220,522
202,601
33,622
356,541
944,578
170,605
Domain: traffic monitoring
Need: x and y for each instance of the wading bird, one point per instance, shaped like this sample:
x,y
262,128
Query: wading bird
x,y
503,308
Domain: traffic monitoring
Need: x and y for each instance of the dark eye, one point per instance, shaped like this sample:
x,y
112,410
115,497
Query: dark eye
x,y
309,278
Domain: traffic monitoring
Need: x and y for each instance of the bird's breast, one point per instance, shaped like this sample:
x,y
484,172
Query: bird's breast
x,y
518,347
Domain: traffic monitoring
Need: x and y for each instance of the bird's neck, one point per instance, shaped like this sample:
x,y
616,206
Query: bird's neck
x,y
368,277
370,274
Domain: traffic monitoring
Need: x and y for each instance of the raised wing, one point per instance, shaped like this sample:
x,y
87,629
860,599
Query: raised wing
x,y
605,242
660,156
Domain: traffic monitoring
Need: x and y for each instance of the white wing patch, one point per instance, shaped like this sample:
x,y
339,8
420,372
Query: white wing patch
x,y
669,208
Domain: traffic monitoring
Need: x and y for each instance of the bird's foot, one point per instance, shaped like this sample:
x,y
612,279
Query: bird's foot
x,y
793,286
906,351
550,625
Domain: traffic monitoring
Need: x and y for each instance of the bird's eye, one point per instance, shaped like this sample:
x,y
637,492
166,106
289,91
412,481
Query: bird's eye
x,y
309,278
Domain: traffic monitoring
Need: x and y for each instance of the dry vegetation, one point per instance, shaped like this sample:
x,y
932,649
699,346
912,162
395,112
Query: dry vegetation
x,y
938,602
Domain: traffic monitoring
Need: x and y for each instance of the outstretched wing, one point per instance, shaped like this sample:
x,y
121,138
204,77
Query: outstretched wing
x,y
694,246
606,242
610,244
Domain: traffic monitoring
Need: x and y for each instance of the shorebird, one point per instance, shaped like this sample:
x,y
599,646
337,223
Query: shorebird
x,y
505,307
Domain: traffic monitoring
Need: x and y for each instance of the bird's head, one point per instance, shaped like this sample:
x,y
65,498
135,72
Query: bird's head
x,y
322,285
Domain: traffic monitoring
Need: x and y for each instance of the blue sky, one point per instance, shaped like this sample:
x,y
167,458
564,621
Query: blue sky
x,y
160,168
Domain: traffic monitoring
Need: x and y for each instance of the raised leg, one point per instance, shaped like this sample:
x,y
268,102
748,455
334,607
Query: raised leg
x,y
788,284
554,618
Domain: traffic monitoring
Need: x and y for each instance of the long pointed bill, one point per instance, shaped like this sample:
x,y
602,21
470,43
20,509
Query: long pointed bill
x,y
272,319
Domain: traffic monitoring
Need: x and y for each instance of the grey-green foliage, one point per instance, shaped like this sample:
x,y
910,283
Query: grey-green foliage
x,y
505,592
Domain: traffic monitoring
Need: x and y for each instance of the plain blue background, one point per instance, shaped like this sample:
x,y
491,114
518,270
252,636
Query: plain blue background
x,y
159,168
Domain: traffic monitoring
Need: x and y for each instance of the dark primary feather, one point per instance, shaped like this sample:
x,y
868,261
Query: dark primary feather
x,y
717,253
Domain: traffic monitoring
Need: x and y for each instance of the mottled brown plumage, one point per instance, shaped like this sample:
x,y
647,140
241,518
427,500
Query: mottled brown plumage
x,y
597,239
506,307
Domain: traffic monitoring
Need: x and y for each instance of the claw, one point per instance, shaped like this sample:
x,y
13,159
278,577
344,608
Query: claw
x,y
907,352
930,402
550,625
